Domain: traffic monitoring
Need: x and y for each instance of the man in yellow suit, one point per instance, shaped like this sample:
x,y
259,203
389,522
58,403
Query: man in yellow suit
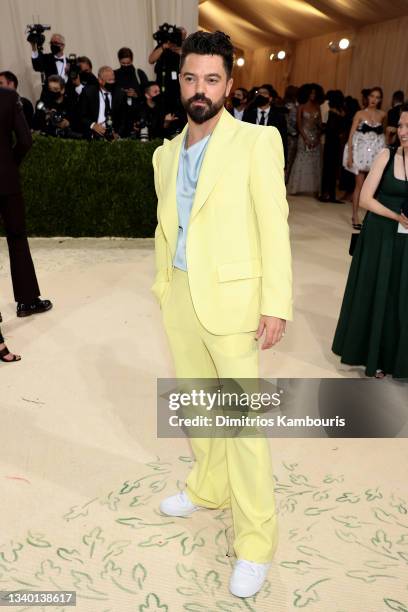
x,y
223,281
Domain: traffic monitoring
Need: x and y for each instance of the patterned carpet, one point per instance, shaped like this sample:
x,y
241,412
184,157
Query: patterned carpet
x,y
339,546
82,470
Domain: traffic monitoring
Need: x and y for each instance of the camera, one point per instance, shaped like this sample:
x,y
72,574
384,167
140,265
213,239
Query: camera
x,y
109,128
36,34
168,33
53,118
73,68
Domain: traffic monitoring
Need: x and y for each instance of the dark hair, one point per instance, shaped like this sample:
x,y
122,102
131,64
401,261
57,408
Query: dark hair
x,y
55,78
244,91
336,99
351,106
305,91
148,85
85,60
272,91
404,108
290,93
398,96
209,43
125,52
372,89
10,77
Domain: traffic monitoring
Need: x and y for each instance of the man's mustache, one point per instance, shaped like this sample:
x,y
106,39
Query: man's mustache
x,y
199,98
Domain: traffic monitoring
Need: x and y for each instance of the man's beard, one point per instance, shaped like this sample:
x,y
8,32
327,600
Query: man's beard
x,y
201,114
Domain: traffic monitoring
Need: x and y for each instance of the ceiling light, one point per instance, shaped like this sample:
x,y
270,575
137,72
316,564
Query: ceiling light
x,y
272,55
281,54
240,61
344,43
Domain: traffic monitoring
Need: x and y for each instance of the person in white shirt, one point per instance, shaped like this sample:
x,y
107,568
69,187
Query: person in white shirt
x,y
104,105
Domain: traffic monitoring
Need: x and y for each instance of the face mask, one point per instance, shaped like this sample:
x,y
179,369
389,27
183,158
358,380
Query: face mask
x,y
157,98
109,87
261,100
55,49
126,68
84,76
235,102
54,95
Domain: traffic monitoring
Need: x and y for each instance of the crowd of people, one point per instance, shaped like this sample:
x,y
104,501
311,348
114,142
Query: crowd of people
x,y
330,143
114,103
330,140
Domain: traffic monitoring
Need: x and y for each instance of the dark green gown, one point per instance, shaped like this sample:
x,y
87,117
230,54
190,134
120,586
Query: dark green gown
x,y
373,323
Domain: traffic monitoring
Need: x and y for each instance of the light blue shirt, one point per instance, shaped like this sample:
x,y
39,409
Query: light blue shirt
x,y
188,172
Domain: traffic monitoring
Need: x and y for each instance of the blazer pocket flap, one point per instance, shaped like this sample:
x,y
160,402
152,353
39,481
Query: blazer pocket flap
x,y
249,268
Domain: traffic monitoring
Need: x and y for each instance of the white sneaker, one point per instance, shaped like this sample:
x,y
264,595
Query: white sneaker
x,y
247,577
178,505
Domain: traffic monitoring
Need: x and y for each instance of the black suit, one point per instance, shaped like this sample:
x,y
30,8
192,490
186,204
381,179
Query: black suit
x,y
45,62
89,110
130,78
13,123
275,118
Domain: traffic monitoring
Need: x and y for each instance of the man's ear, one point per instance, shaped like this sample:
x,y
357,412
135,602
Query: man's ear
x,y
229,86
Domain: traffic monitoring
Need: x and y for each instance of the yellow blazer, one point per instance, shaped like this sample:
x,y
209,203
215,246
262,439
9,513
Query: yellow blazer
x,y
238,250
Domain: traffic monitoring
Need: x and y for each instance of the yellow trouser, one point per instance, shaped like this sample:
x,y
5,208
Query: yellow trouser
x,y
228,472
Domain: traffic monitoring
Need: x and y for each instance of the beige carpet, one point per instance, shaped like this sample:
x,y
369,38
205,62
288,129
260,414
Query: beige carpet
x,y
82,471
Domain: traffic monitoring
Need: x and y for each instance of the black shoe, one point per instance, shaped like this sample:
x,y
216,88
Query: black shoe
x,y
25,310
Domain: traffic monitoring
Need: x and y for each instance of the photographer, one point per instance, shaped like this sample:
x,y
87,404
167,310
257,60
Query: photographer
x,y
131,80
166,58
9,81
51,63
81,74
103,108
56,113
151,120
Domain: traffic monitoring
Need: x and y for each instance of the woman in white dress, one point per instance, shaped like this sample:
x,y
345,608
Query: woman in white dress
x,y
365,141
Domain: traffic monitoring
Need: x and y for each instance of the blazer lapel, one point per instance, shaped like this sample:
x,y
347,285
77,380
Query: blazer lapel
x,y
168,209
216,157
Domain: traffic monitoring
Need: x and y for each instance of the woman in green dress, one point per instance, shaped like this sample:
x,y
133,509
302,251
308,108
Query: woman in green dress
x,y
373,326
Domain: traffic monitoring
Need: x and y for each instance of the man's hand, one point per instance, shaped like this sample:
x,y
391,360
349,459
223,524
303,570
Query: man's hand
x,y
274,330
131,93
63,124
99,129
